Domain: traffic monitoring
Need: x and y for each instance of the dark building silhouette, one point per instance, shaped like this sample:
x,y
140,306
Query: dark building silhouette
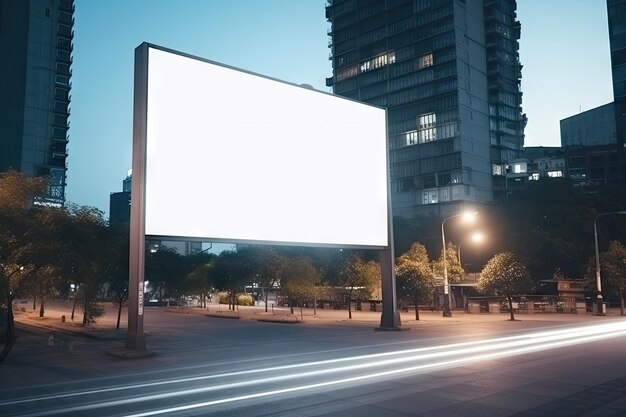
x,y
617,37
35,60
590,128
448,72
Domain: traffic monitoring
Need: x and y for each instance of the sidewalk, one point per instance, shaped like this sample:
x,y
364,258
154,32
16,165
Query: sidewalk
x,y
105,327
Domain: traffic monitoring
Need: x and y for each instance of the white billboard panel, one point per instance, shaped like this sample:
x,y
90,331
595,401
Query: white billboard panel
x,y
233,156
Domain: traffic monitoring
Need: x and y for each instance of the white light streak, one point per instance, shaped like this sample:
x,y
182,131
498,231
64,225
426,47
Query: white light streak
x,y
362,367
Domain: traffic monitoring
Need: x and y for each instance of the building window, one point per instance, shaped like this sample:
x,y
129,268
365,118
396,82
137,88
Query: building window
x,y
348,72
431,196
427,129
555,174
534,176
496,169
378,62
61,80
425,61
411,138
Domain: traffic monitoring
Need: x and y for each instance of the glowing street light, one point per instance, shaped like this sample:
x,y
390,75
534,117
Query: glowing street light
x,y
467,217
476,237
599,305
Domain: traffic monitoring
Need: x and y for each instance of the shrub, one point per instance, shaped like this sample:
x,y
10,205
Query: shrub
x,y
245,300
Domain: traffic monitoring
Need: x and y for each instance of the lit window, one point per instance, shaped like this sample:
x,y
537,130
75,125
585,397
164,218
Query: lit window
x,y
425,60
427,129
496,169
431,197
378,62
534,176
555,174
411,138
517,168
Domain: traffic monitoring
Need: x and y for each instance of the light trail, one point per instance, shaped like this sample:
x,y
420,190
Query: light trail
x,y
395,363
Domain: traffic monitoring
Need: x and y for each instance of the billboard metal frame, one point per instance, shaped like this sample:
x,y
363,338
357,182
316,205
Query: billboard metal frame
x,y
136,339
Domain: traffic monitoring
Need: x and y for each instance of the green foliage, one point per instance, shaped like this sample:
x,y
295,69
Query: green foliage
x,y
505,275
92,311
613,267
223,297
165,272
232,272
454,268
201,279
298,281
357,274
414,278
245,300
266,265
550,225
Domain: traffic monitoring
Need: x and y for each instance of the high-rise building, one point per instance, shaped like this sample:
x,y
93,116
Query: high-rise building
x,y
617,38
35,60
590,128
448,73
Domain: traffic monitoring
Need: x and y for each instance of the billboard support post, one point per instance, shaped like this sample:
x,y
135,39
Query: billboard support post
x,y
390,316
135,339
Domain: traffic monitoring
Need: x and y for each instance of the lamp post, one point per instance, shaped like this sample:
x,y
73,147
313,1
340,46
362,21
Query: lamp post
x,y
599,305
446,289
476,237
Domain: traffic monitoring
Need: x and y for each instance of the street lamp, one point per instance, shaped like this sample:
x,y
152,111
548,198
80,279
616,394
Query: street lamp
x,y
467,217
599,304
475,237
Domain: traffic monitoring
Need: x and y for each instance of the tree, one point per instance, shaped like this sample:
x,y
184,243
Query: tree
x,y
232,273
86,256
17,194
414,277
298,281
268,265
505,275
354,274
454,268
116,269
201,280
613,267
165,272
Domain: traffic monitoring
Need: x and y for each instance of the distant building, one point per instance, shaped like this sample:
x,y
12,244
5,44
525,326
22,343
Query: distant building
x,y
589,141
35,60
590,128
593,165
536,163
119,213
119,203
448,73
119,207
616,10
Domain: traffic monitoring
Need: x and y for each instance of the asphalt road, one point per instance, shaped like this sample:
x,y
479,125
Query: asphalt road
x,y
470,366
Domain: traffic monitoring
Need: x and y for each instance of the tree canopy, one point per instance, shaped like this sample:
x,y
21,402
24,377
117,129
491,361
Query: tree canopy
x,y
505,275
414,277
613,268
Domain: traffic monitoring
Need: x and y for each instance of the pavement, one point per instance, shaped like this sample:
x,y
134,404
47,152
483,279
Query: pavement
x,y
216,362
57,317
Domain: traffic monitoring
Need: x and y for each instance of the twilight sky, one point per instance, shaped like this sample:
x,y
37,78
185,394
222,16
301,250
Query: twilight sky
x,y
564,50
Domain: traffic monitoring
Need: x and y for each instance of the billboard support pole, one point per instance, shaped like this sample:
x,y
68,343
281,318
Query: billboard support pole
x,y
390,317
135,339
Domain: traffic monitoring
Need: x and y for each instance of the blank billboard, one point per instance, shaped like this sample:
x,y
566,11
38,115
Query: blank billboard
x,y
234,156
